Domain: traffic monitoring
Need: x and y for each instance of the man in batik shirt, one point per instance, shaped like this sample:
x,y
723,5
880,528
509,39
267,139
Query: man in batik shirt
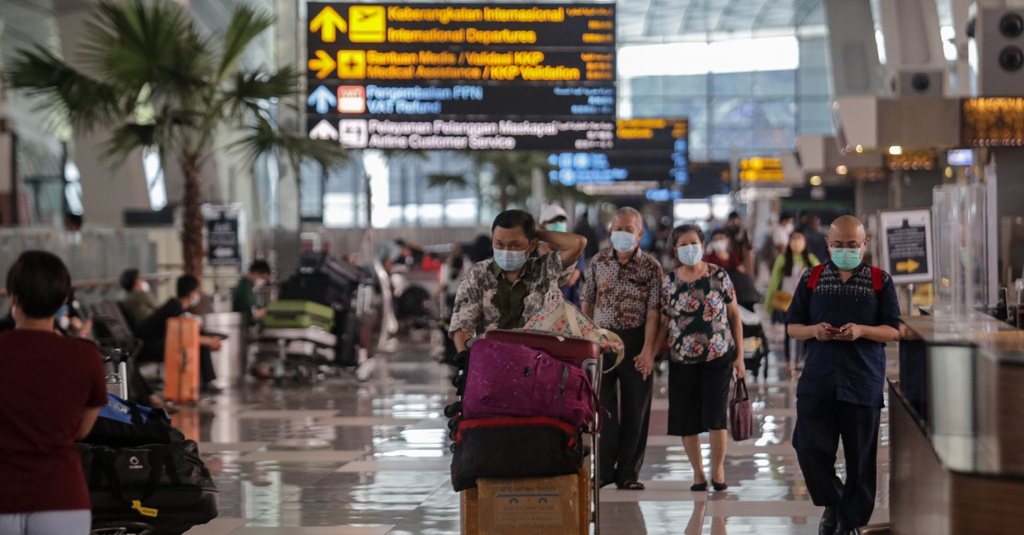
x,y
506,291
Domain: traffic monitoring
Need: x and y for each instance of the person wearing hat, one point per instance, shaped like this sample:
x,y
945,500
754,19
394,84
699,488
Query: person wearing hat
x,y
553,217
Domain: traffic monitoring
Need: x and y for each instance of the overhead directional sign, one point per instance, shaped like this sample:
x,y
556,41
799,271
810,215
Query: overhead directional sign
x,y
907,244
463,76
644,150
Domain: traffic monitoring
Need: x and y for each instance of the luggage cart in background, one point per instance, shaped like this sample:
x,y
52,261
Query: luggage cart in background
x,y
587,355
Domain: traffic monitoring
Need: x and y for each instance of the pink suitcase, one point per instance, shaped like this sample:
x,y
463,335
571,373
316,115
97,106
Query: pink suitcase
x,y
567,348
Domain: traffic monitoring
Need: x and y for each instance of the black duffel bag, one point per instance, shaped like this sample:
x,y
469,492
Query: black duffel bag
x,y
514,447
123,423
136,473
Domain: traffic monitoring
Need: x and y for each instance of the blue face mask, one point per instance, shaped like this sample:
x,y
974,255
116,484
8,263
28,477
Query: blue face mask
x,y
690,254
623,242
559,227
60,313
509,260
846,258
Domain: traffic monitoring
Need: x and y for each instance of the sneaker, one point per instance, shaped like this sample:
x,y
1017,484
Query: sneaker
x,y
210,388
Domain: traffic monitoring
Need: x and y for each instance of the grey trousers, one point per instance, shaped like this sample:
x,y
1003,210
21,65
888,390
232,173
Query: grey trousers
x,y
73,522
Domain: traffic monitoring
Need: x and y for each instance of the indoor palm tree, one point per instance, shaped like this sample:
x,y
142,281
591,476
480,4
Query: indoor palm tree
x,y
156,80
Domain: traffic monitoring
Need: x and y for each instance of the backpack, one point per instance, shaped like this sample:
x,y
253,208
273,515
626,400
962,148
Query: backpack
x,y
876,277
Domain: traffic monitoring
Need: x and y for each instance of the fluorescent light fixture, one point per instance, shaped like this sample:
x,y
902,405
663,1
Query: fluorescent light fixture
x,y
895,150
153,170
681,59
948,34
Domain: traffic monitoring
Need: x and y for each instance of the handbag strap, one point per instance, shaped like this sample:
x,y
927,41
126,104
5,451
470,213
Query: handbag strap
x,y
741,389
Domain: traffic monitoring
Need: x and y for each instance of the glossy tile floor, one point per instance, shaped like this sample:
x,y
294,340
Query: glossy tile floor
x,y
344,457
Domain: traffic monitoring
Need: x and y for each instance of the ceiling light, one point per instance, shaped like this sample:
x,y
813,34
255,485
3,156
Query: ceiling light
x,y
860,149
815,180
841,170
895,150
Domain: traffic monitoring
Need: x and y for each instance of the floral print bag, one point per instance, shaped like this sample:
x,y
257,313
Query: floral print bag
x,y
561,317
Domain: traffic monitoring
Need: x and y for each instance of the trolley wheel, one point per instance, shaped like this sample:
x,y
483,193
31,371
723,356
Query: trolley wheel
x,y
121,528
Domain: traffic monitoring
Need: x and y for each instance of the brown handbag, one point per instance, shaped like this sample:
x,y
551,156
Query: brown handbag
x,y
741,413
781,300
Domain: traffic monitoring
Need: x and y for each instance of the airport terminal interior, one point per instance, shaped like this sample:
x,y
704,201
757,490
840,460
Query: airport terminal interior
x,y
270,211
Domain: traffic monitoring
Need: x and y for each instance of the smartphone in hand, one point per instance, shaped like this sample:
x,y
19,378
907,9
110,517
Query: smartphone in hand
x,y
833,330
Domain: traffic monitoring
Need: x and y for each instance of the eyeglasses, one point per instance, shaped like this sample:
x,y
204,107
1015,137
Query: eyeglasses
x,y
847,245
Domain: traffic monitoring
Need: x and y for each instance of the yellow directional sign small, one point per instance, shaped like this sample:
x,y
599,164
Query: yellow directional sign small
x,y
323,64
369,24
908,266
328,22
351,64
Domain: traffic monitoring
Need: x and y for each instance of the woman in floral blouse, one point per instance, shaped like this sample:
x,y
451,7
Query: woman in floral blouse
x,y
701,319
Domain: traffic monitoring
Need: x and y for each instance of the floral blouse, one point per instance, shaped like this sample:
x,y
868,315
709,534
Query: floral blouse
x,y
698,324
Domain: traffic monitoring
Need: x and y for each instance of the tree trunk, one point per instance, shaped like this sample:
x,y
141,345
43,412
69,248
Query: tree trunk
x,y
192,217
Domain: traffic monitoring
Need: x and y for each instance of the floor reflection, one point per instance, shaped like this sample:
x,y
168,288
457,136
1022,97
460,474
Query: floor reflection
x,y
345,457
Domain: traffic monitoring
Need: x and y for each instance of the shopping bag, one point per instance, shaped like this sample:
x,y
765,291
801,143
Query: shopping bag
x,y
741,413
561,317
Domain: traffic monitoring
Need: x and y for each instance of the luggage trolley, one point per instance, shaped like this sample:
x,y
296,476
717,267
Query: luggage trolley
x,y
587,355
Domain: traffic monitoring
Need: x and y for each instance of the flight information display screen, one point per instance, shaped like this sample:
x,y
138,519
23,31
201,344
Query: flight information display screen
x,y
466,76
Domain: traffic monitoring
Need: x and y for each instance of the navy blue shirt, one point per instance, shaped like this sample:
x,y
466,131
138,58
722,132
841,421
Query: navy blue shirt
x,y
853,372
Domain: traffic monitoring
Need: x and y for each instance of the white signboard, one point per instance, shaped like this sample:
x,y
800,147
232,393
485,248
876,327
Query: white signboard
x,y
905,237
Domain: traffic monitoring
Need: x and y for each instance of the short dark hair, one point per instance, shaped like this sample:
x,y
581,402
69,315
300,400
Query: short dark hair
x,y
41,283
73,219
512,219
784,216
128,278
716,233
260,267
734,215
186,285
686,229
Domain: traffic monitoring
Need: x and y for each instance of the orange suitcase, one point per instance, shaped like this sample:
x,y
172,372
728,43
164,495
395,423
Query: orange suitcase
x,y
181,360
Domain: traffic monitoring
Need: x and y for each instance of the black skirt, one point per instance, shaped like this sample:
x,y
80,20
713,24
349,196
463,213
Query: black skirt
x,y
698,396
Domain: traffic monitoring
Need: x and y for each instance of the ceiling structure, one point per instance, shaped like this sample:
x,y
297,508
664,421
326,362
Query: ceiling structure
x,y
645,21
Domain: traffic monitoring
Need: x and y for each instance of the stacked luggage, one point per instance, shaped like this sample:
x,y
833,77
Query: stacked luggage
x,y
320,297
527,420
142,472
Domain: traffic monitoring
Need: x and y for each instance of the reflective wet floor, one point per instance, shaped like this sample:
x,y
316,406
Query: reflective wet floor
x,y
346,457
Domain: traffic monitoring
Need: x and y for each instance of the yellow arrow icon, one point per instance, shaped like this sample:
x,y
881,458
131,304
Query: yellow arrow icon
x,y
909,266
328,22
323,64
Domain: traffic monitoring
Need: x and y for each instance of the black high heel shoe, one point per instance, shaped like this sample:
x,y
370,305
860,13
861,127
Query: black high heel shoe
x,y
700,487
719,486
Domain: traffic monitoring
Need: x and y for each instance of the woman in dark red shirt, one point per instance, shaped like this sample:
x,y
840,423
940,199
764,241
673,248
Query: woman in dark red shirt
x,y
720,252
51,389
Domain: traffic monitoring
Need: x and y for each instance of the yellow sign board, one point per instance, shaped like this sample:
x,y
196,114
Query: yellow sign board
x,y
756,164
323,64
352,64
367,24
328,22
762,175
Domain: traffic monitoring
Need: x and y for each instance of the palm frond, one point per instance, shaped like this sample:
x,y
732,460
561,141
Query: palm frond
x,y
440,180
132,44
263,138
127,138
246,24
250,88
87,102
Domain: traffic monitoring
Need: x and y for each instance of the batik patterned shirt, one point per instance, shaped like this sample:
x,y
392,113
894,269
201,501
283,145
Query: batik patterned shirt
x,y
699,328
622,294
486,300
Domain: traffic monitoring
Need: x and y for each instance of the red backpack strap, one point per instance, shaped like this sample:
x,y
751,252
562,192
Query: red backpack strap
x,y
812,280
876,278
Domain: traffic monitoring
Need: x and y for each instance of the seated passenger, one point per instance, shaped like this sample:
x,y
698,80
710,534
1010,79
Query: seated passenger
x,y
153,332
243,297
42,487
138,303
506,291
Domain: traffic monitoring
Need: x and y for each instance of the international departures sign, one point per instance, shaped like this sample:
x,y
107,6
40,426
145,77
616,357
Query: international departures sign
x,y
464,76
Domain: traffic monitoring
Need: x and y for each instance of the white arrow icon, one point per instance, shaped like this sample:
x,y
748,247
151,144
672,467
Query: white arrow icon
x,y
324,130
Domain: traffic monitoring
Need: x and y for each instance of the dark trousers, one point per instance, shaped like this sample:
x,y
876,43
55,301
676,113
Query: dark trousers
x,y
206,371
820,424
627,396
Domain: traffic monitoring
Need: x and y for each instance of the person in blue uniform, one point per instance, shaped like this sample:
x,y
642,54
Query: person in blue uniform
x,y
846,310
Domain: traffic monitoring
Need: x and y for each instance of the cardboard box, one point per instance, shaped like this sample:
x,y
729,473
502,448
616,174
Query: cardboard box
x,y
584,500
470,513
529,506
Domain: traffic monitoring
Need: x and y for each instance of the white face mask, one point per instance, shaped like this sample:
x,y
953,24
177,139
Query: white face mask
x,y
509,260
690,254
195,300
623,242
719,246
144,286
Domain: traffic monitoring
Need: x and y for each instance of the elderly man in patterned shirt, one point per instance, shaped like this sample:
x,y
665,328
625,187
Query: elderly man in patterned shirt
x,y
504,292
622,293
